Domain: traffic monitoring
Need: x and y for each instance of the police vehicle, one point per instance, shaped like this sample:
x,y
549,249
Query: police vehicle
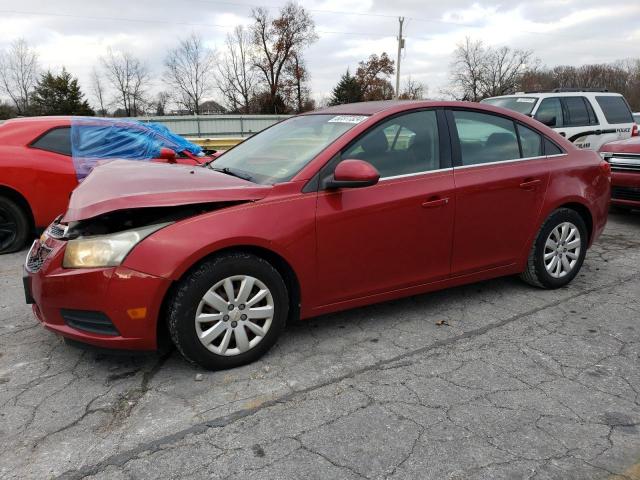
x,y
587,117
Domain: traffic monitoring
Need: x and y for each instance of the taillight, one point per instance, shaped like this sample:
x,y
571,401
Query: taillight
x,y
634,130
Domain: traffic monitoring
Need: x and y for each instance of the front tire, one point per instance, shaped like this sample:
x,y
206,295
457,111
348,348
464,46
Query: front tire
x,y
558,252
14,226
228,311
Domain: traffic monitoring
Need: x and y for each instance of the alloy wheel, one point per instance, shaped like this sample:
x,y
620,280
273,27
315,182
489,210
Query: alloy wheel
x,y
234,315
562,249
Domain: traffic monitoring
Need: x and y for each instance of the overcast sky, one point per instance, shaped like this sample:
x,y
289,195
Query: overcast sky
x,y
75,33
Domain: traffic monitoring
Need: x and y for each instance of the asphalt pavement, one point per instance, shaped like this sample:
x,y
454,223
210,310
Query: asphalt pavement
x,y
496,380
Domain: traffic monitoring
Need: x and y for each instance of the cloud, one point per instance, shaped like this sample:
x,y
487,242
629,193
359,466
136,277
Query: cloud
x,y
76,33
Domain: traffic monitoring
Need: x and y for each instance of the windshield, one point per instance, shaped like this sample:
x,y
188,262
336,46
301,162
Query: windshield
x,y
522,105
278,153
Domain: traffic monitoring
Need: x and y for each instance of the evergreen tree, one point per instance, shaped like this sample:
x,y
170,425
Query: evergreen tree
x,y
59,95
348,90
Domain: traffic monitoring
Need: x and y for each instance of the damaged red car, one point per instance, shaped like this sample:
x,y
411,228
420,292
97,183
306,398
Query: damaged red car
x,y
325,211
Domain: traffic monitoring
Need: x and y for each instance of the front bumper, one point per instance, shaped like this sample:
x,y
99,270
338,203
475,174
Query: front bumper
x,y
625,189
129,299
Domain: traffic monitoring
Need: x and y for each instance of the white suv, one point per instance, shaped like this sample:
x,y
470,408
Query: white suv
x,y
589,118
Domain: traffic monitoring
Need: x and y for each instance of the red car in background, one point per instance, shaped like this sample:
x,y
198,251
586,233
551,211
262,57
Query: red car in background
x,y
325,211
37,172
624,158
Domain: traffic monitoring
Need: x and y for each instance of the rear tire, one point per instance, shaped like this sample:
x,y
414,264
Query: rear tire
x,y
214,324
554,261
14,226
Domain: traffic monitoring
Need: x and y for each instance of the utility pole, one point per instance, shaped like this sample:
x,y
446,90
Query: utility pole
x,y
400,47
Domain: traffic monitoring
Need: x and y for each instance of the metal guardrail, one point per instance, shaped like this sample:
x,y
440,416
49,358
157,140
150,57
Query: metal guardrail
x,y
216,143
212,126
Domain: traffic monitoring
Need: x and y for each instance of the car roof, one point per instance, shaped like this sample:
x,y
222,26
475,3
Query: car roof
x,y
366,108
558,94
57,119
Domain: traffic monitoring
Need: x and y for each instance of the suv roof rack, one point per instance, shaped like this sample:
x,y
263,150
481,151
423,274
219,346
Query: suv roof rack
x,y
565,89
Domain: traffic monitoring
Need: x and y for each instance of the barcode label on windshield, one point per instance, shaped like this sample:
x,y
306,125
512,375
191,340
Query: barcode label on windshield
x,y
348,119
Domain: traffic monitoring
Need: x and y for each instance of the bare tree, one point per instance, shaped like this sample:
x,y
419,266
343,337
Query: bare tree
x,y
189,71
467,70
236,75
19,74
162,99
98,91
297,75
503,70
413,90
275,40
129,77
478,71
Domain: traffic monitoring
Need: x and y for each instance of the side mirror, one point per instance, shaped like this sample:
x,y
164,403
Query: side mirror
x,y
168,155
353,174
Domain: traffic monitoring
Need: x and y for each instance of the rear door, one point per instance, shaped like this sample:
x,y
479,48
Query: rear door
x,y
501,177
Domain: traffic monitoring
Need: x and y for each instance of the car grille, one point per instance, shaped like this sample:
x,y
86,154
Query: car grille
x,y
56,230
626,193
625,162
37,256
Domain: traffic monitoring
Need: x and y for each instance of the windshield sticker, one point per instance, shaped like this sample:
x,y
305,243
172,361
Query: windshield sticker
x,y
526,100
348,119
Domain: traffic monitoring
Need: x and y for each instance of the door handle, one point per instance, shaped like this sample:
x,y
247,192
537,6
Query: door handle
x,y
530,184
437,202
563,134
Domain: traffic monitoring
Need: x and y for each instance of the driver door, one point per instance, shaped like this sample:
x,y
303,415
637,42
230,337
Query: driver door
x,y
397,233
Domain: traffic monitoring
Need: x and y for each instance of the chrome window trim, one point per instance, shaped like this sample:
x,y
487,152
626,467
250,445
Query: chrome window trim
x,y
540,157
512,160
406,175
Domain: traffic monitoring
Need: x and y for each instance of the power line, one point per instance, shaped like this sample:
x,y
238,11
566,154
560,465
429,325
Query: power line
x,y
171,22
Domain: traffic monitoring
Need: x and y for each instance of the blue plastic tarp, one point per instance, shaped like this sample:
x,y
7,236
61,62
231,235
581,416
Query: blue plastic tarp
x,y
97,139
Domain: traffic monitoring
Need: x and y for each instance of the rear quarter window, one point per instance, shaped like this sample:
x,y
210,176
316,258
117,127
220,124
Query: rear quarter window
x,y
57,140
615,108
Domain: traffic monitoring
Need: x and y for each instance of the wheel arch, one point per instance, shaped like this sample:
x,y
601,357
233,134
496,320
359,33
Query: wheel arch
x,y
283,267
584,212
22,202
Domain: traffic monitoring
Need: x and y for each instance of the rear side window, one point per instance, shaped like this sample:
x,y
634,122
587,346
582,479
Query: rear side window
x,y
530,141
485,138
57,140
551,148
578,114
615,108
550,112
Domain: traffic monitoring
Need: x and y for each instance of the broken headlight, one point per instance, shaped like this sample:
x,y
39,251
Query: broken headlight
x,y
105,250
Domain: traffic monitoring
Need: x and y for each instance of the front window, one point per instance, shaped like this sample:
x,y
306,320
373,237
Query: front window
x,y
404,145
522,105
278,153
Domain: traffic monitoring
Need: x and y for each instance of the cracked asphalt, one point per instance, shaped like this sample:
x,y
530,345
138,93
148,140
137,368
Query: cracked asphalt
x,y
520,383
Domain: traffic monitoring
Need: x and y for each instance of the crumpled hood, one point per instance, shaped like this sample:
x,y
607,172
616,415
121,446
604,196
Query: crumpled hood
x,y
125,184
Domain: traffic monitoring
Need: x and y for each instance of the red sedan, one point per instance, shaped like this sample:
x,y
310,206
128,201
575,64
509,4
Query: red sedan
x,y
624,158
338,208
39,168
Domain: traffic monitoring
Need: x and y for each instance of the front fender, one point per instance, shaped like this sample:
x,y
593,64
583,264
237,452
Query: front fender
x,y
285,227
